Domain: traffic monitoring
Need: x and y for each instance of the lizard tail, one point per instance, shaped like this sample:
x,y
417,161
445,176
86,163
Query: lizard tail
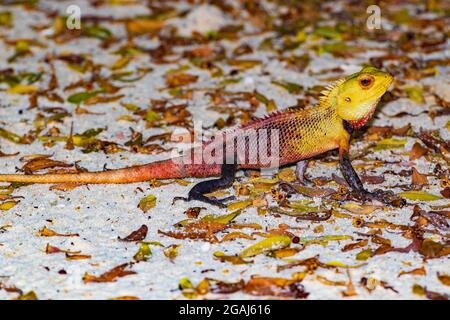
x,y
165,169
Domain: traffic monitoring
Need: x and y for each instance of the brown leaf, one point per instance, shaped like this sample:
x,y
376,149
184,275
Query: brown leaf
x,y
418,272
431,249
278,287
49,249
435,295
137,235
102,99
109,276
418,179
446,192
437,218
41,163
193,212
417,151
71,256
179,79
225,287
198,230
372,179
65,186
235,259
444,279
142,26
355,245
46,232
234,235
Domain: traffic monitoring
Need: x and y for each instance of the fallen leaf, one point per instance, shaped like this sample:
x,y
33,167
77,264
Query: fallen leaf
x,y
46,232
444,278
417,151
137,235
417,272
144,253
269,244
109,276
147,203
419,196
417,178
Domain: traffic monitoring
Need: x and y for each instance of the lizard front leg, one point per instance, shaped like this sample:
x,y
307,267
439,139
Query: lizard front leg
x,y
350,175
300,172
200,189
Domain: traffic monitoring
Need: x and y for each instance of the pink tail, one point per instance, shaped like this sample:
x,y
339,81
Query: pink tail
x,y
165,169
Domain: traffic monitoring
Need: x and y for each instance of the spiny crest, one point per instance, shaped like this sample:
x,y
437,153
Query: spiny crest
x,y
271,115
325,94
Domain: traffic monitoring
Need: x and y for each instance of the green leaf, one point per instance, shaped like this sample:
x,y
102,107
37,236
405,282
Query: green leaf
x,y
390,143
6,19
415,93
79,97
151,116
144,252
364,255
11,136
419,196
147,203
268,244
290,87
328,32
223,219
97,32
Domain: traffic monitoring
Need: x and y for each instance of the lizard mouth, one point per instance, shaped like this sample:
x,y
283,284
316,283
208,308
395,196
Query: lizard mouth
x,y
356,124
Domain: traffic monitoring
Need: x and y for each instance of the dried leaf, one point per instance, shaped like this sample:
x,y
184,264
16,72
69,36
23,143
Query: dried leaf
x,y
444,278
232,259
418,179
137,27
137,235
359,209
417,151
172,251
417,272
234,235
278,287
109,276
41,164
179,79
46,232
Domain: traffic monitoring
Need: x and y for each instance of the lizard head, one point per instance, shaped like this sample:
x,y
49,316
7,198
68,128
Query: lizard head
x,y
357,96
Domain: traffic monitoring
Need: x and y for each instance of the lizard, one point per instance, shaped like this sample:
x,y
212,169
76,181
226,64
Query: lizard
x,y
344,106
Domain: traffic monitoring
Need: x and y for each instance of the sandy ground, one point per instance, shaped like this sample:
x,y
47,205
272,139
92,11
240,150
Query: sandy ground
x,y
102,213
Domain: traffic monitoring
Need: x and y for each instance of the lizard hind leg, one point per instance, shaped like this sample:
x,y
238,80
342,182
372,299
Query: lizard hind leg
x,y
200,189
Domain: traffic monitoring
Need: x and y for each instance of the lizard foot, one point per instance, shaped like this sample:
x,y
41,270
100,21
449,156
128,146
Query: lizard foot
x,y
386,197
200,197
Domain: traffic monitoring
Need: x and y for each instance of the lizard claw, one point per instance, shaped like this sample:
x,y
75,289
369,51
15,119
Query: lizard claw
x,y
386,197
175,199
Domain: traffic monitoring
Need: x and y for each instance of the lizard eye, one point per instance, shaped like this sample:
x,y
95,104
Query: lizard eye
x,y
366,82
347,99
